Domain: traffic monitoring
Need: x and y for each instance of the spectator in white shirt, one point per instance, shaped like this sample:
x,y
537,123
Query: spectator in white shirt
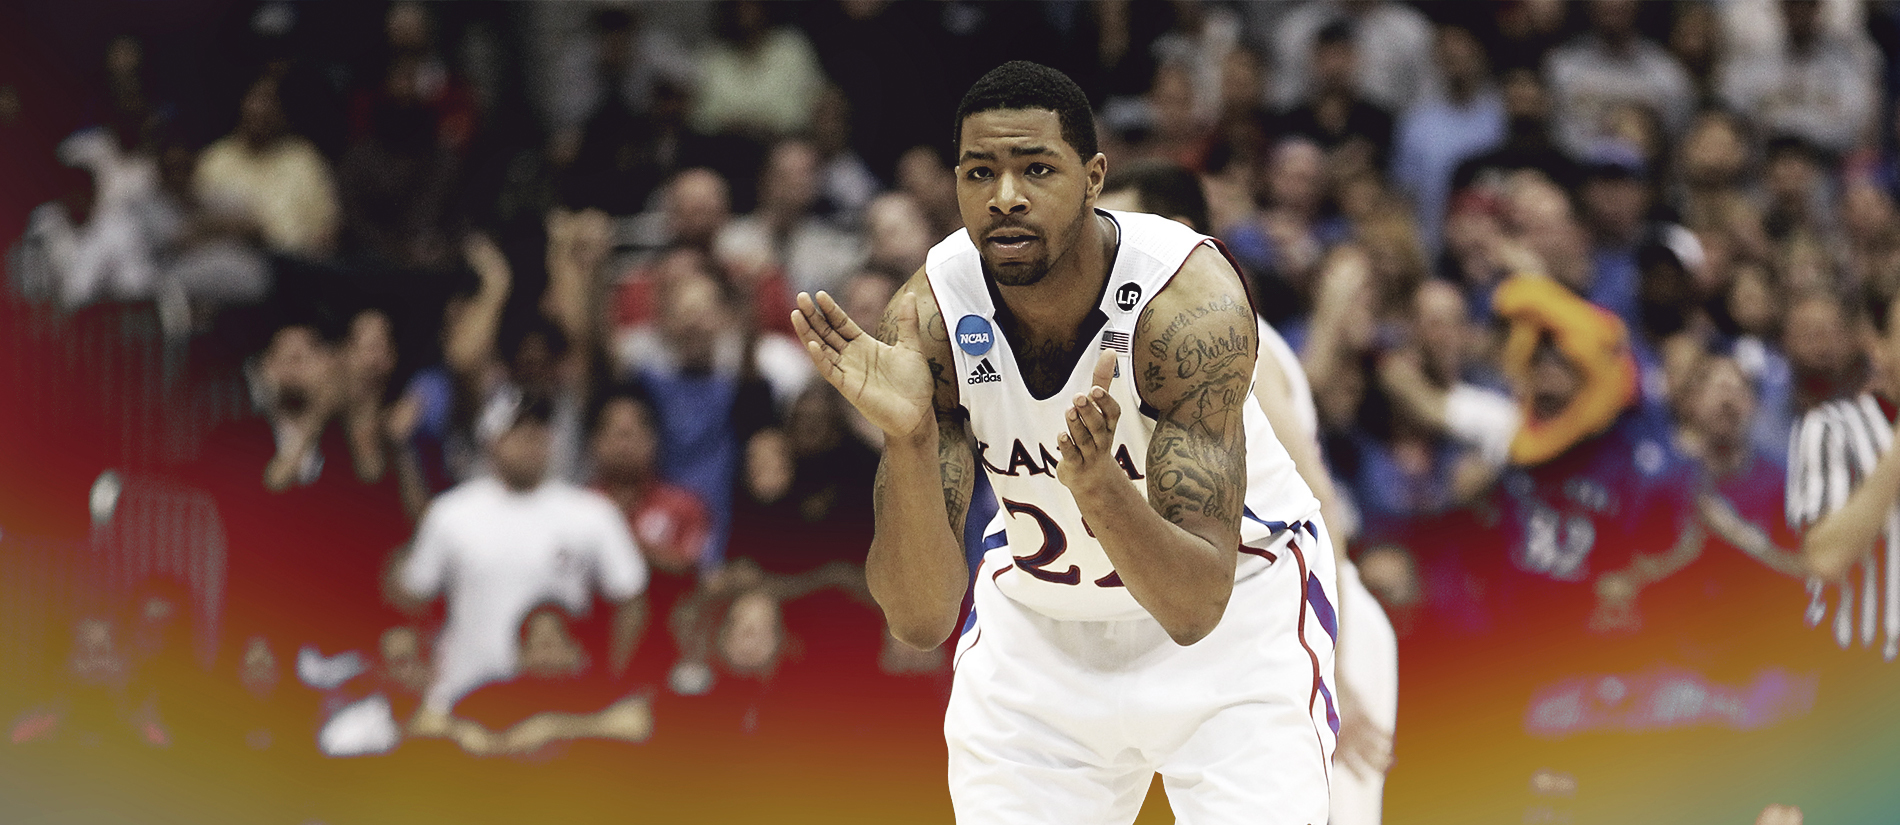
x,y
496,546
757,79
618,56
1393,41
1610,67
264,174
1753,27
1817,86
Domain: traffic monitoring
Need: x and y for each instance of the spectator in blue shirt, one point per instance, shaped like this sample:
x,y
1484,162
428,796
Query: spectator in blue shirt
x,y
1436,135
716,387
1616,199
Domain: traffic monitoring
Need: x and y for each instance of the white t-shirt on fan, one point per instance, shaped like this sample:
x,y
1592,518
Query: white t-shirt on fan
x,y
495,554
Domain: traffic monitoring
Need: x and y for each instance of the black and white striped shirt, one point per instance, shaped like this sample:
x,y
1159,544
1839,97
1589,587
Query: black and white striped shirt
x,y
1831,450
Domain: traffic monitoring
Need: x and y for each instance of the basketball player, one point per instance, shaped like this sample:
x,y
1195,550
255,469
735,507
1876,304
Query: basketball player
x,y
1367,655
1156,596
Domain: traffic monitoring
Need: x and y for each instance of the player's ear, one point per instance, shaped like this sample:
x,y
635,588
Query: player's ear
x,y
1097,168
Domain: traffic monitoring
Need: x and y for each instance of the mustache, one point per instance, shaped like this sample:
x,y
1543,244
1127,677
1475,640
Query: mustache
x,y
1008,222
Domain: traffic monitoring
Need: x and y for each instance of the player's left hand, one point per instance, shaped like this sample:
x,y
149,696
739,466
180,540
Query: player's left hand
x,y
1088,460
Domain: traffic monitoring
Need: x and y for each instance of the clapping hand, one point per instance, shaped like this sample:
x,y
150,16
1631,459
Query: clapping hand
x,y
889,383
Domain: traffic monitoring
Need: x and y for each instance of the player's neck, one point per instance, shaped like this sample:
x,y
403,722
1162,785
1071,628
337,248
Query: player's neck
x,y
520,485
1055,306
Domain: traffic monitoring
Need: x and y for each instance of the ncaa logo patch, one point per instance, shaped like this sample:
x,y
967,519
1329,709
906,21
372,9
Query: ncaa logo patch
x,y
1127,296
974,335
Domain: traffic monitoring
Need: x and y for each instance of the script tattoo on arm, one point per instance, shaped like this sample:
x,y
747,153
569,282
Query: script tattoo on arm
x,y
1199,369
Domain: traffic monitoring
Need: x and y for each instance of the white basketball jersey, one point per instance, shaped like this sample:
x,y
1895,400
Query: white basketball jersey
x,y
1037,550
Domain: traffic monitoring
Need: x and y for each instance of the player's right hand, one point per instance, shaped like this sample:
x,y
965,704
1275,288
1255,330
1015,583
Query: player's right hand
x,y
889,383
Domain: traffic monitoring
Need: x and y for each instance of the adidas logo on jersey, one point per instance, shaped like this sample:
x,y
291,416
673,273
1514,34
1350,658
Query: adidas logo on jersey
x,y
984,373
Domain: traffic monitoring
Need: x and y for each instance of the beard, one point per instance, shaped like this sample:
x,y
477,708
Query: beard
x,y
1020,274
1031,272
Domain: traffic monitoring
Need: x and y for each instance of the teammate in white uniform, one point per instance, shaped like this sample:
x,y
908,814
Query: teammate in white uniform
x,y
1156,593
1367,655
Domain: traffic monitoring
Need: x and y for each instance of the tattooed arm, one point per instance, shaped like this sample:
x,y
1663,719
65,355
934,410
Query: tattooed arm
x,y
1194,352
902,381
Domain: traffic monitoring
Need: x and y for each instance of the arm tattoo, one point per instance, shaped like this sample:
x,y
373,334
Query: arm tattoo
x,y
941,374
1205,455
887,327
957,463
1152,377
956,456
1201,368
929,323
1159,341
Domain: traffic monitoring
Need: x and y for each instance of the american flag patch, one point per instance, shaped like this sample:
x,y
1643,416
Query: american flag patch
x,y
1118,341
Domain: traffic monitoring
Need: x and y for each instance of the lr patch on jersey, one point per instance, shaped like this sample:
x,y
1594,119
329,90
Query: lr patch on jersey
x,y
1127,296
974,335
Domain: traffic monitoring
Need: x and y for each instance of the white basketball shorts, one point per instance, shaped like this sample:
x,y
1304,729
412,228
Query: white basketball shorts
x,y
1067,721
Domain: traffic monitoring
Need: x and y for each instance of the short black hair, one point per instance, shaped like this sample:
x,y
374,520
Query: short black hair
x,y
632,392
1337,33
1020,84
1165,188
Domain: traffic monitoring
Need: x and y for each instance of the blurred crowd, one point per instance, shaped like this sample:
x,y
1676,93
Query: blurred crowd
x,y
517,452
